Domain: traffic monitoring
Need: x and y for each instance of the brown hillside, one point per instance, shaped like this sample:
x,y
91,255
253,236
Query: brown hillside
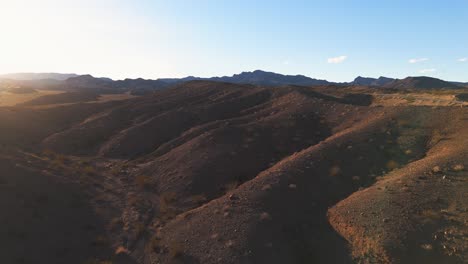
x,y
209,172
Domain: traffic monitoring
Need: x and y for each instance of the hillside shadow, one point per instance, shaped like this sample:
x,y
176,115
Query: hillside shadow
x,y
44,221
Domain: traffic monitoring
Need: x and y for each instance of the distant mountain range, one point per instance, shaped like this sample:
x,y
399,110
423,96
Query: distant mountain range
x,y
258,77
38,76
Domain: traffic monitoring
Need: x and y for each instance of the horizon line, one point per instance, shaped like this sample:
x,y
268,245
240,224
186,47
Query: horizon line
x,y
219,76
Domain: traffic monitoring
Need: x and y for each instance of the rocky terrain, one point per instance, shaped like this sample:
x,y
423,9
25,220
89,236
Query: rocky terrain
x,y
215,172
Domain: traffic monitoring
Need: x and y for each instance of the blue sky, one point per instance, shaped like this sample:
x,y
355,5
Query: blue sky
x,y
334,40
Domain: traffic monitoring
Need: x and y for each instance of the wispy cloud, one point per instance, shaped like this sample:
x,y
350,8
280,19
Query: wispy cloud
x,y
338,59
427,70
418,60
463,59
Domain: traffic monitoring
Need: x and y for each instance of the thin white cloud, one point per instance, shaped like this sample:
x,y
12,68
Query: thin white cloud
x,y
338,59
463,59
418,60
427,70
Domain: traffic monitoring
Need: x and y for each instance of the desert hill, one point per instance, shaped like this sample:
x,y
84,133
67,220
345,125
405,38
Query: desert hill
x,y
216,172
420,83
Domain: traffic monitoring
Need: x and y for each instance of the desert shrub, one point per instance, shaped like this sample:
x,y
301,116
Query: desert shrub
x,y
134,200
155,244
391,165
334,171
430,216
166,205
116,169
89,170
97,261
462,97
198,199
116,223
231,186
358,99
435,138
100,241
410,99
176,250
140,228
48,153
58,160
121,250
458,167
143,182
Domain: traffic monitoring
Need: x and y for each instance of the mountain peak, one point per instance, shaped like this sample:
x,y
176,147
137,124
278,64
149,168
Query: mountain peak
x,y
372,81
421,82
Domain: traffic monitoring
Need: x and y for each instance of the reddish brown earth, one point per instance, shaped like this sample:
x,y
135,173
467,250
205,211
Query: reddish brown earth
x,y
221,173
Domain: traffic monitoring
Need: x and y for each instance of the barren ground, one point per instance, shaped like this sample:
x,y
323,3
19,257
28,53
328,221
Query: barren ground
x,y
222,173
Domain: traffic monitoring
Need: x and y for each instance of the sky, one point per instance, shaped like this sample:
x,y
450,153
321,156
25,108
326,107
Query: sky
x,y
329,39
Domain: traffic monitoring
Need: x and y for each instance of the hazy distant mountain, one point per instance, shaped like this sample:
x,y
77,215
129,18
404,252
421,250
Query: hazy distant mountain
x,y
460,84
38,76
420,83
135,86
140,84
381,81
258,77
87,81
32,84
180,80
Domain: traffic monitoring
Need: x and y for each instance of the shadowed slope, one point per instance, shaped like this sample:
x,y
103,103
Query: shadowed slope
x,y
45,221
